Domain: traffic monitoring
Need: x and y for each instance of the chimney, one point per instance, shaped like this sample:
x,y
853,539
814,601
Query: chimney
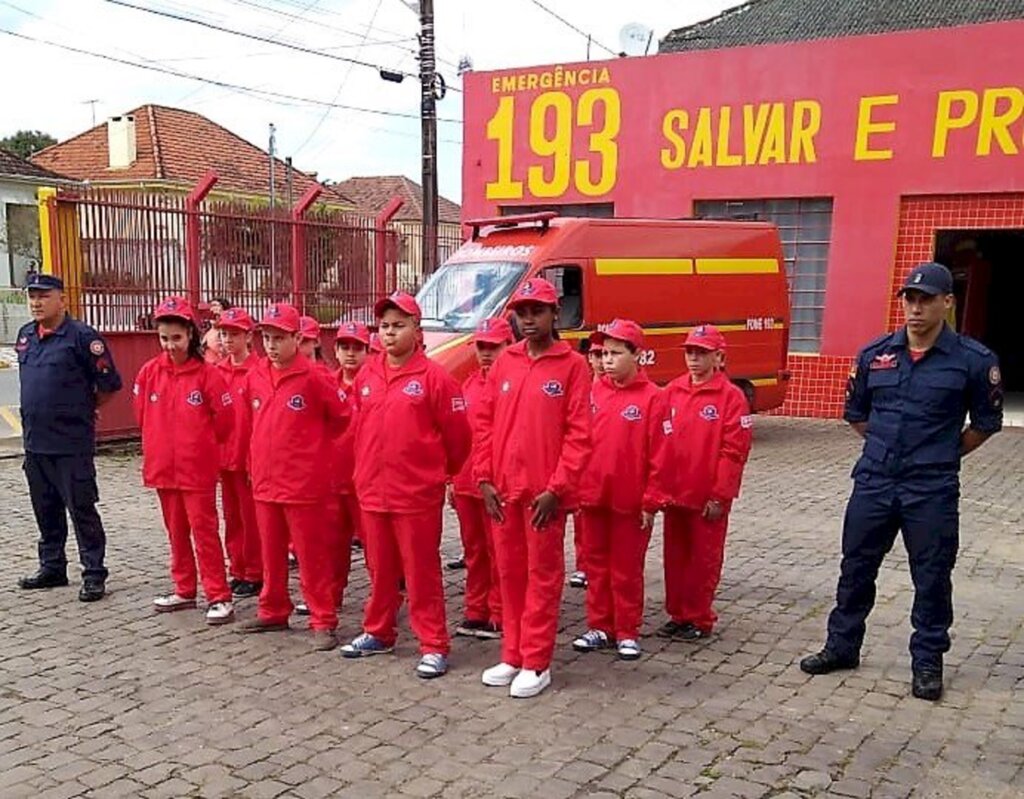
x,y
121,141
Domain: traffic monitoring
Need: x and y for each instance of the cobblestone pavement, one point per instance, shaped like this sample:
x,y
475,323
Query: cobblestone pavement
x,y
109,700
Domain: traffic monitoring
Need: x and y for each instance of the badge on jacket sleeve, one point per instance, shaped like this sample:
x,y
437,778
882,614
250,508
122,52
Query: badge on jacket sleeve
x,y
96,348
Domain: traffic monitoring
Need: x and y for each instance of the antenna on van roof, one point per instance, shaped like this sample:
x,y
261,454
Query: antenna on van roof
x,y
513,220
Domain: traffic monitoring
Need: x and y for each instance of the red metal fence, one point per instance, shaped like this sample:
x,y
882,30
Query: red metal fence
x,y
120,253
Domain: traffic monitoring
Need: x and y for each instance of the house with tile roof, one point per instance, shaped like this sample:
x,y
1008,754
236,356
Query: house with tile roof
x,y
372,193
20,181
155,148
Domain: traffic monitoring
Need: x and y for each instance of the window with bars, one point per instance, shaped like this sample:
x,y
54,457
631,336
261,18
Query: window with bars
x,y
805,227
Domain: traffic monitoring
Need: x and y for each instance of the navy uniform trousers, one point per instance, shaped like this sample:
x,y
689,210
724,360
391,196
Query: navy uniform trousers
x,y
926,511
62,485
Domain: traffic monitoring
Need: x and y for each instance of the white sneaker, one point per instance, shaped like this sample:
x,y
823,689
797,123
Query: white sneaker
x,y
220,613
529,683
499,676
173,602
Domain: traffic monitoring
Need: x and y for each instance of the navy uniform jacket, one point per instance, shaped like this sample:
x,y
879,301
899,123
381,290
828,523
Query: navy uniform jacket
x,y
915,412
60,375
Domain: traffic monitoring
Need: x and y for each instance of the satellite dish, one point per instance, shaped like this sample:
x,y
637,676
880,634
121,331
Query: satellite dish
x,y
635,38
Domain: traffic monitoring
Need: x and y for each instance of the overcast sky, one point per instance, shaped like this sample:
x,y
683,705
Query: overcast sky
x,y
46,88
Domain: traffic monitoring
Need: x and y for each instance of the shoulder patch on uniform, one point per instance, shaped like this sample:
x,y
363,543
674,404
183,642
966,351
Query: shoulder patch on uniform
x,y
96,347
995,377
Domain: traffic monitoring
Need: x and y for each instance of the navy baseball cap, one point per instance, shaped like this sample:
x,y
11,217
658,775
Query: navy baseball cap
x,y
41,282
930,278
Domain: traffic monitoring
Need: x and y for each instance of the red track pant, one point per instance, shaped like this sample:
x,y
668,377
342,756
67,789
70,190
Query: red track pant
x,y
483,588
579,541
531,566
347,514
191,516
616,547
409,545
241,532
694,553
307,528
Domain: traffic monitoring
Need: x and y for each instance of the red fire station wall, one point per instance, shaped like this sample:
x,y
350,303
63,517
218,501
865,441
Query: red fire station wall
x,y
819,381
861,121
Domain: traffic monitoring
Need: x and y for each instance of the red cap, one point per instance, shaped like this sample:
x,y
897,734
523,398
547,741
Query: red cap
x,y
375,345
237,318
175,308
282,316
404,302
353,331
596,340
309,327
706,337
493,331
536,289
621,330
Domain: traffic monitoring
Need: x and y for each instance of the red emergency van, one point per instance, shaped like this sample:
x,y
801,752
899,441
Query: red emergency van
x,y
668,275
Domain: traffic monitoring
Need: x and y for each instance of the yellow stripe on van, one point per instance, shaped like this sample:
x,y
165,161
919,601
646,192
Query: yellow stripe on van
x,y
737,266
644,266
765,381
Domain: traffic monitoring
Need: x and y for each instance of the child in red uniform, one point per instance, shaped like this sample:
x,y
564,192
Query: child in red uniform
x,y
625,429
351,348
696,476
185,411
533,443
483,592
296,412
593,348
411,435
241,534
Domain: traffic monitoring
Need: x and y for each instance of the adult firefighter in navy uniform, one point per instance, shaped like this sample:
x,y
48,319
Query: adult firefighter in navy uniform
x,y
66,373
908,396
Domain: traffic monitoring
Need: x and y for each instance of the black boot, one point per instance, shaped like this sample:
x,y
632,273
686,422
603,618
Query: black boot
x,y
927,683
826,661
43,579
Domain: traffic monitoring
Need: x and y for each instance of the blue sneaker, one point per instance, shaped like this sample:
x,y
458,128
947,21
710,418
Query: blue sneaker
x,y
365,645
591,641
432,665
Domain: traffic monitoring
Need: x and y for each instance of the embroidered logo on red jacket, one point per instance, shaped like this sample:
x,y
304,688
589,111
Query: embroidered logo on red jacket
x,y
194,398
414,388
553,388
709,413
885,361
632,413
458,404
297,402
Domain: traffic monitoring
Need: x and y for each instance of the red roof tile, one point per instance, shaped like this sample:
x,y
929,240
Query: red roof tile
x,y
373,193
178,147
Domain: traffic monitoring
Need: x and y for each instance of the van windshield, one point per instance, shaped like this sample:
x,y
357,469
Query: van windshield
x,y
457,297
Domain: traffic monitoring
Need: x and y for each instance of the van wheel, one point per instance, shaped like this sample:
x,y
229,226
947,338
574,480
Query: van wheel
x,y
748,391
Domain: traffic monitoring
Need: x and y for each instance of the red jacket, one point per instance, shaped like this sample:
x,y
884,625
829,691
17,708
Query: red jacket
x,y
296,413
707,436
626,429
344,456
185,413
535,424
411,434
234,453
472,390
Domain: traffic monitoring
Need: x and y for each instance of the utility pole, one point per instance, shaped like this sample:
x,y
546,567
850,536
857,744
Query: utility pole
x,y
273,209
428,118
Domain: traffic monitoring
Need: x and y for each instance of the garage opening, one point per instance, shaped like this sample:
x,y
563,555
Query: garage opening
x,y
988,273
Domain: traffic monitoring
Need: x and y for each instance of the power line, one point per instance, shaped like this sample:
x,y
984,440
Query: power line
x,y
255,37
341,85
568,24
256,92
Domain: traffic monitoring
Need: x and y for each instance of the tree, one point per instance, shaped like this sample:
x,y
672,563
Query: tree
x,y
25,143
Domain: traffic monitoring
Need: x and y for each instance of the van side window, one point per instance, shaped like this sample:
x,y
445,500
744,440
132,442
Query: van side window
x,y
568,281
